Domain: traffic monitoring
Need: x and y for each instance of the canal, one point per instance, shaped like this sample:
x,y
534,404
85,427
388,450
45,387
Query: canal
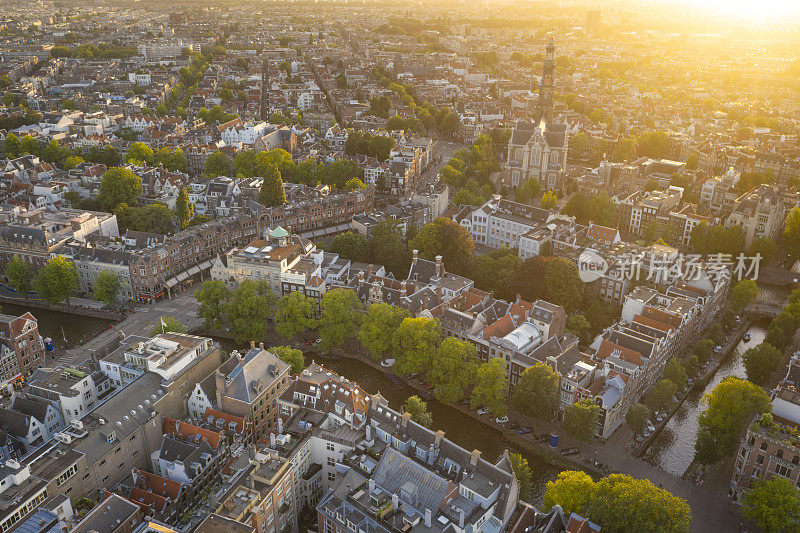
x,y
673,448
460,428
77,329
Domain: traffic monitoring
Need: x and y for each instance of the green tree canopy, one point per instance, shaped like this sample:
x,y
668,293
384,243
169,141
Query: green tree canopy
x,y
106,287
140,152
791,234
549,200
447,238
523,473
536,392
761,361
170,323
418,410
378,327
564,285
218,164
491,385
290,355
184,208
743,294
453,369
774,505
248,308
119,186
619,502
386,247
272,192
349,245
728,408
19,275
212,297
661,394
636,417
57,281
580,419
675,372
764,247
414,344
295,314
341,316
579,326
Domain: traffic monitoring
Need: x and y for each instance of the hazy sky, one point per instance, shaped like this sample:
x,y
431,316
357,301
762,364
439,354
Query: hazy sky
x,y
755,10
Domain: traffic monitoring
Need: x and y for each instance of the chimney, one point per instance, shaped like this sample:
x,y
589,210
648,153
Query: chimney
x,y
437,437
222,389
461,518
474,456
406,418
252,344
369,433
376,400
439,269
360,278
261,345
403,288
371,486
280,425
395,501
414,257
272,439
428,515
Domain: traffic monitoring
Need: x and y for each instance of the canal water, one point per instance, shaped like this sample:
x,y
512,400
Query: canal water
x,y
77,329
458,427
673,448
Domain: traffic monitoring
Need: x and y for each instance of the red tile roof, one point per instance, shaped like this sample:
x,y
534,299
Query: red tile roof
x,y
500,328
212,415
626,354
653,323
158,485
601,233
170,426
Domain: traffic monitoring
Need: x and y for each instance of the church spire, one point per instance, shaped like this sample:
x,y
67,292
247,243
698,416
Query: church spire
x,y
544,108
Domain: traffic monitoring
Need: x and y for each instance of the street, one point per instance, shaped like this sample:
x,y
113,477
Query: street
x,y
183,307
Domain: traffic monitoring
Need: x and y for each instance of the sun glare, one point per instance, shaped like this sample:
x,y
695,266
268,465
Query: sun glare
x,y
755,10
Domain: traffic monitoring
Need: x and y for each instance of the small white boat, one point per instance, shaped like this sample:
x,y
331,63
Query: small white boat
x,y
387,363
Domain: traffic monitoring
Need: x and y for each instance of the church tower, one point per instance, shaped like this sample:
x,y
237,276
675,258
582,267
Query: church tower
x,y
544,108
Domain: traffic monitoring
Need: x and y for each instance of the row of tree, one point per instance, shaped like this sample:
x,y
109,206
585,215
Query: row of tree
x,y
57,281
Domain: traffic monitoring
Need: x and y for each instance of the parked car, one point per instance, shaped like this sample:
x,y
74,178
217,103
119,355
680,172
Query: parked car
x,y
387,363
482,411
501,419
650,426
524,430
570,451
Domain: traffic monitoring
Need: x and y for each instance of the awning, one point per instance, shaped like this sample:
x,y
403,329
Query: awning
x,y
182,276
193,270
171,282
205,265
